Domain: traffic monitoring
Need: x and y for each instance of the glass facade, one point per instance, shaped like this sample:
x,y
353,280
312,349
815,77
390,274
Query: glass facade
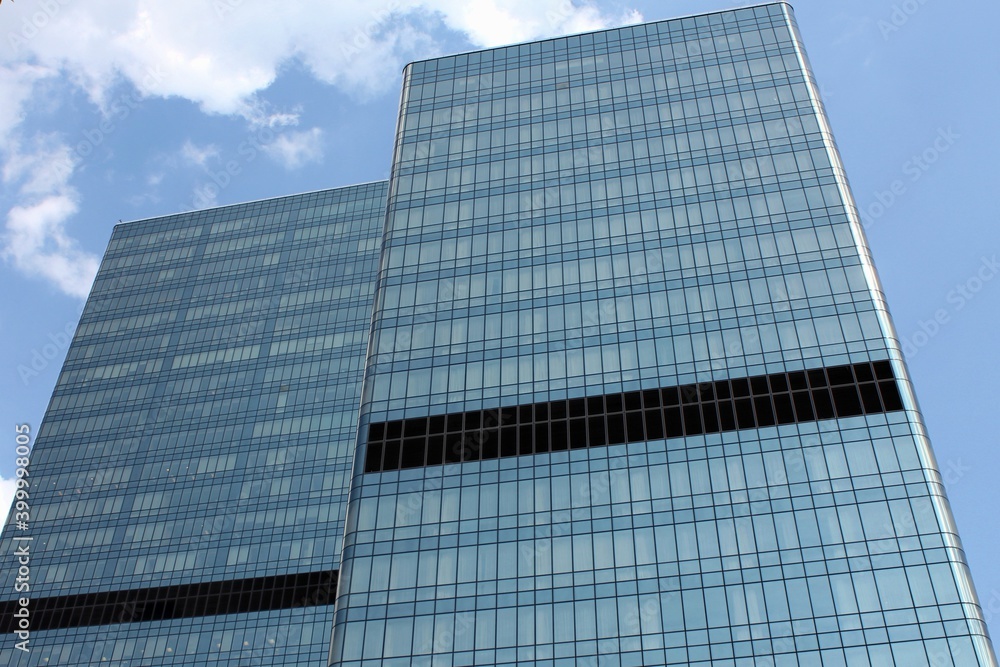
x,y
199,441
629,395
633,396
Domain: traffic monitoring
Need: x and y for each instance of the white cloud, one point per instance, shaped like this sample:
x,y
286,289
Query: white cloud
x,y
16,84
295,149
258,114
35,238
198,155
204,195
219,54
496,22
44,170
7,489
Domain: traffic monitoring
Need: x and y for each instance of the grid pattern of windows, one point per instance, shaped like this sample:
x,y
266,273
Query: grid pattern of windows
x,y
670,412
608,215
202,430
298,636
623,272
183,601
610,209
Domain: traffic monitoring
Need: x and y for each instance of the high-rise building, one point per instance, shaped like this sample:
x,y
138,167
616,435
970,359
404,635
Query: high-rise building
x,y
631,395
190,476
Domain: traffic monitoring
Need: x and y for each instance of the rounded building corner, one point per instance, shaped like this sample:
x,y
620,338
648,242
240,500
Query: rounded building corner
x,y
789,7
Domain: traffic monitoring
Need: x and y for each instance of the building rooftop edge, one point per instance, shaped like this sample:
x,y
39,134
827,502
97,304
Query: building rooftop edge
x,y
593,32
252,201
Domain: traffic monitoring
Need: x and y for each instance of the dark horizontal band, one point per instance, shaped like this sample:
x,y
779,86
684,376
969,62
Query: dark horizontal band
x,y
635,416
309,589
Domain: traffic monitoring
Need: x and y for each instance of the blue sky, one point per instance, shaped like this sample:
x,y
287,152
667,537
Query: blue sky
x,y
122,109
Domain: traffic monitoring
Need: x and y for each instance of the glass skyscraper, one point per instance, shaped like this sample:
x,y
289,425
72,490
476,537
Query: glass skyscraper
x,y
190,477
631,395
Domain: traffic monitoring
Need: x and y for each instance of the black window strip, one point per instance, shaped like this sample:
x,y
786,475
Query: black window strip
x,y
668,412
239,596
